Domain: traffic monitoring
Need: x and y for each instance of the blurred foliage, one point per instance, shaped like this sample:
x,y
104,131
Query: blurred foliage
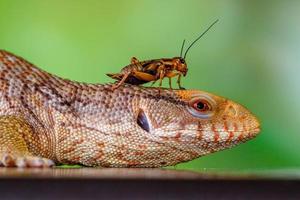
x,y
250,56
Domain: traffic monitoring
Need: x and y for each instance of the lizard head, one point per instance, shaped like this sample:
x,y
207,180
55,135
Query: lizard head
x,y
193,123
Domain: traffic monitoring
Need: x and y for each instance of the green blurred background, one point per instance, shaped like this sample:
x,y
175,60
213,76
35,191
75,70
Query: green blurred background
x,y
250,56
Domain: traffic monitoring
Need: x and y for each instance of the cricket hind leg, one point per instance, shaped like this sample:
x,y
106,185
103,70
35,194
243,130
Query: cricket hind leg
x,y
144,76
14,151
135,78
122,81
134,60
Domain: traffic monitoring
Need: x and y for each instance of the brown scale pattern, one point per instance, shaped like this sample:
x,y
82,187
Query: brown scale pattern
x,y
48,118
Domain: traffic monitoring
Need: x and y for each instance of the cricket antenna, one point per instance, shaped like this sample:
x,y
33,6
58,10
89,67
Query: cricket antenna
x,y
200,37
182,48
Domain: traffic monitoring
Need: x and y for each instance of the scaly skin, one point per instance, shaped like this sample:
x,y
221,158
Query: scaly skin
x,y
45,119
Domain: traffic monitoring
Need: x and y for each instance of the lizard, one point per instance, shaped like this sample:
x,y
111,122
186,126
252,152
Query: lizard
x,y
46,120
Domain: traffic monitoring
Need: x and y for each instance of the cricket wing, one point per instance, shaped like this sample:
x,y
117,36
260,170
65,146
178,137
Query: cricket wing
x,y
115,76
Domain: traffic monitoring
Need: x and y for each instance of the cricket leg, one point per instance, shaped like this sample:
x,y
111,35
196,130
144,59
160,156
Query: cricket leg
x,y
172,74
160,74
170,82
134,60
144,76
179,83
122,81
153,83
161,77
14,135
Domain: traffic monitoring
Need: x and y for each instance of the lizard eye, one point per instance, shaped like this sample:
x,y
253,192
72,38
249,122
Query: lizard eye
x,y
201,106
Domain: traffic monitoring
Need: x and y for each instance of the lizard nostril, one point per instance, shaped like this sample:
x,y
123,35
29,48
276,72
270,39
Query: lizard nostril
x,y
231,111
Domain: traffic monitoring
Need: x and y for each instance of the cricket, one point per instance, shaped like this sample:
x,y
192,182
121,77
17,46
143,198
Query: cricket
x,y
141,72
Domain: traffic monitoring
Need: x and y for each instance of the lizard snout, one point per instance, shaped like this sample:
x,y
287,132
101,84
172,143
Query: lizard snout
x,y
241,121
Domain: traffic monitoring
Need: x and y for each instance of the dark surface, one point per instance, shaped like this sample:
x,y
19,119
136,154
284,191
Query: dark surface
x,y
87,183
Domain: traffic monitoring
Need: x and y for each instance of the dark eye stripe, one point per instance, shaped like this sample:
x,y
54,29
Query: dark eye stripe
x,y
142,121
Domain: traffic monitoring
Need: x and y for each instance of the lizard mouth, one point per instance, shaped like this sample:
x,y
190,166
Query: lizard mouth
x,y
252,130
239,135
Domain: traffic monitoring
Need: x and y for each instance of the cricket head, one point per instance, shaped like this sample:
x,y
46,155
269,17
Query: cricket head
x,y
180,65
195,123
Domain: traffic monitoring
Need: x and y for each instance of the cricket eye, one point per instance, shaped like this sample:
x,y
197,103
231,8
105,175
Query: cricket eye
x,y
201,107
182,61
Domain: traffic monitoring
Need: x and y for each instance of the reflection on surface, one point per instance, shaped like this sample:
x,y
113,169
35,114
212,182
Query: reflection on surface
x,y
148,174
101,173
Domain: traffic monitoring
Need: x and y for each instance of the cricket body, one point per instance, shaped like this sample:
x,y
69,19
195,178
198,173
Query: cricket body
x,y
140,72
47,120
151,70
